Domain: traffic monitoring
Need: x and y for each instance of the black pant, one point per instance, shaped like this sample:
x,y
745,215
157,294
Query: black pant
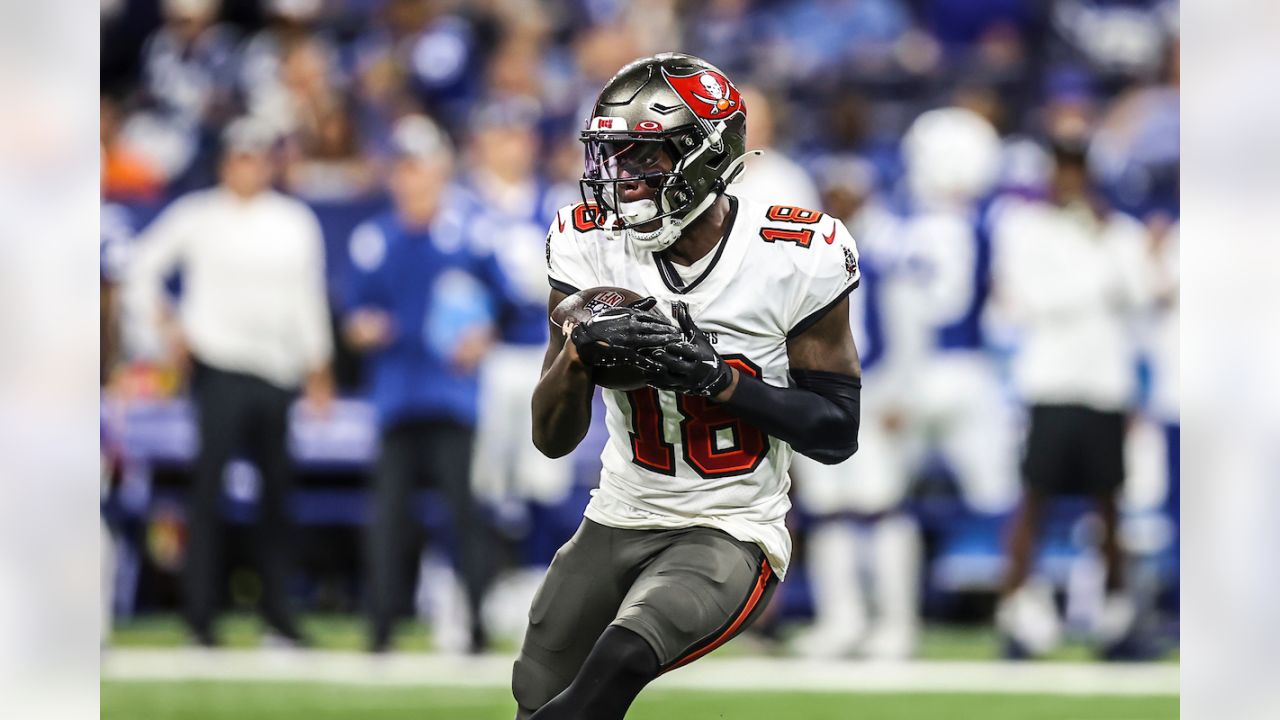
x,y
1074,450
238,412
412,450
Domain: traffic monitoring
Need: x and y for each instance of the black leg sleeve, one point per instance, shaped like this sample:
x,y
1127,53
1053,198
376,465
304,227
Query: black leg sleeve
x,y
618,668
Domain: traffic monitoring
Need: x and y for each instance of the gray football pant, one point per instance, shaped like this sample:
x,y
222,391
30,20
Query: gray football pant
x,y
686,592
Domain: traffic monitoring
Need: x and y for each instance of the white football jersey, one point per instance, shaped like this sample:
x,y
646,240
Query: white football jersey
x,y
677,461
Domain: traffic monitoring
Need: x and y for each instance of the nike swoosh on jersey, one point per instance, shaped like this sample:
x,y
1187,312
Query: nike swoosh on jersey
x,y
832,237
561,221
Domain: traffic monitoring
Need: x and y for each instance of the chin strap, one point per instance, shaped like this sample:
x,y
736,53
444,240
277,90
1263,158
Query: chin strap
x,y
675,226
665,236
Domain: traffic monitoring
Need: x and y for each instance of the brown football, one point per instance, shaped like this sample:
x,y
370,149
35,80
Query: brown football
x,y
582,305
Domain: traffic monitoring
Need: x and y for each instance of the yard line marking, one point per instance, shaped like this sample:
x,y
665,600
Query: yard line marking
x,y
736,674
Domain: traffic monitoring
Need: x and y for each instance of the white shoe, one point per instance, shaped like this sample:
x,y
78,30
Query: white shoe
x,y
891,641
1029,618
829,643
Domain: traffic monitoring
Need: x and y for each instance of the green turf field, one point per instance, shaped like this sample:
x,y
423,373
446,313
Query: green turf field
x,y
270,701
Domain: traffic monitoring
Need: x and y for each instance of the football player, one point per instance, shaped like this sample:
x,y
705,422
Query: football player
x,y
745,343
863,547
957,406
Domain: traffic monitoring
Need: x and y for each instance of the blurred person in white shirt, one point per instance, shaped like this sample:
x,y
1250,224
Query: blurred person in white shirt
x,y
774,178
252,324
957,404
1071,276
863,550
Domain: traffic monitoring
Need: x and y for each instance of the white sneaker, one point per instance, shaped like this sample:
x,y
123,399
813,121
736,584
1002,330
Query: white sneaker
x,y
1029,618
891,641
829,643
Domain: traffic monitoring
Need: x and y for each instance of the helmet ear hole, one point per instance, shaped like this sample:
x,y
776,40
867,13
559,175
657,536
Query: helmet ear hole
x,y
718,161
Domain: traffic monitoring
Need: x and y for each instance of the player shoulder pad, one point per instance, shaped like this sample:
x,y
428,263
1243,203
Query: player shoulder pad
x,y
570,252
824,261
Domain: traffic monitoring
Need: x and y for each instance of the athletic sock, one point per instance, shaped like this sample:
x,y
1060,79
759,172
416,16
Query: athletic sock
x,y
620,664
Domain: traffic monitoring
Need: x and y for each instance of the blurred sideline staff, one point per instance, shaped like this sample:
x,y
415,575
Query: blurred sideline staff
x,y
252,322
513,207
1071,276
424,308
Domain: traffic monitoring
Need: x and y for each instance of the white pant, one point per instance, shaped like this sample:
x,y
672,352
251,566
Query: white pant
x,y
506,464
958,405
874,480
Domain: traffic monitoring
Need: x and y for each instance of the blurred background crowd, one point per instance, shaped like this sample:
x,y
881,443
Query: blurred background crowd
x,y
323,283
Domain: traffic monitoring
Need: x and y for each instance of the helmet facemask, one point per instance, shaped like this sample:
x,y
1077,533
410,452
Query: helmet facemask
x,y
616,162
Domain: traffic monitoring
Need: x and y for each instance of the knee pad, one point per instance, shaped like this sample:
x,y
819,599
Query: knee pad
x,y
533,684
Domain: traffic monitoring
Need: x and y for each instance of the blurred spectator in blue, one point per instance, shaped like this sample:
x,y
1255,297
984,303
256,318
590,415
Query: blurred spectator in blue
x,y
289,22
772,178
1135,151
424,308
326,159
816,39
514,207
515,69
1118,39
963,23
1074,365
428,49
599,52
253,320
726,33
850,124
189,84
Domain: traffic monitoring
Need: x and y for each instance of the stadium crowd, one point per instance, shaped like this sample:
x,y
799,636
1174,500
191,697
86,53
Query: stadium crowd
x,y
1009,169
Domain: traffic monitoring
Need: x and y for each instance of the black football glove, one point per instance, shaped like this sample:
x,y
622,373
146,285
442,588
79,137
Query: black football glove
x,y
617,336
690,365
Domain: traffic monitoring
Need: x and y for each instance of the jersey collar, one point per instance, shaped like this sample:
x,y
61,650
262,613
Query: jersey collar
x,y
671,278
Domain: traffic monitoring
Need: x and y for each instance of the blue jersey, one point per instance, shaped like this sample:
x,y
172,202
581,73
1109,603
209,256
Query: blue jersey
x,y
965,332
516,236
866,316
436,286
948,256
116,232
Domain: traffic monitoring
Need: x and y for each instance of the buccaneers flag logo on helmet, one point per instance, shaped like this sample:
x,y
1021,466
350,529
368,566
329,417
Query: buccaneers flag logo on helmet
x,y
708,94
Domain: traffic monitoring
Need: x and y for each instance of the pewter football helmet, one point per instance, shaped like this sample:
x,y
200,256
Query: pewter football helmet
x,y
672,103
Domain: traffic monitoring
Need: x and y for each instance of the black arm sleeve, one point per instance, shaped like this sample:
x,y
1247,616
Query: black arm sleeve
x,y
818,417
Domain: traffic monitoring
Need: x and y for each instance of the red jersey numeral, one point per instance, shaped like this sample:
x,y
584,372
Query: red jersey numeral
x,y
648,449
586,218
793,214
801,237
703,425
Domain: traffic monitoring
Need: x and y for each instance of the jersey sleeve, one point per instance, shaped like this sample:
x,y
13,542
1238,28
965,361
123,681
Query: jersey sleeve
x,y
828,271
569,267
